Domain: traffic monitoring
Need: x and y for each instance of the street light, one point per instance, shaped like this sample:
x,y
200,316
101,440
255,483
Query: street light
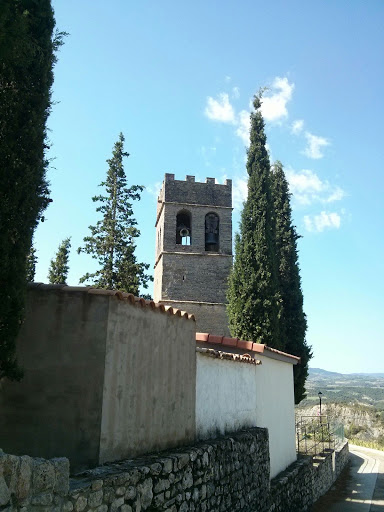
x,y
320,395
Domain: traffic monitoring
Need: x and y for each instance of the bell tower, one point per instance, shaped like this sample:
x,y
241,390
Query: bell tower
x,y
194,249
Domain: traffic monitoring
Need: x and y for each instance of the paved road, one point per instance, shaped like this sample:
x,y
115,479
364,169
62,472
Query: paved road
x,y
360,488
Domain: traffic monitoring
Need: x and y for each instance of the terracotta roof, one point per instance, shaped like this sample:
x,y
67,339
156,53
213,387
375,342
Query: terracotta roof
x,y
259,348
123,296
241,358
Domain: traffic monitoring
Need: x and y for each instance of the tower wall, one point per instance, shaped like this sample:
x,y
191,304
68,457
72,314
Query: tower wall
x,y
188,276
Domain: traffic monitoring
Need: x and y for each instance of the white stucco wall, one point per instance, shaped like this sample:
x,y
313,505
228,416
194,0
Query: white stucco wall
x,y
224,402
232,395
275,410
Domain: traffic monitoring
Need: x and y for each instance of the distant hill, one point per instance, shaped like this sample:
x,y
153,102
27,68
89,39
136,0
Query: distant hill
x,y
355,399
325,373
347,388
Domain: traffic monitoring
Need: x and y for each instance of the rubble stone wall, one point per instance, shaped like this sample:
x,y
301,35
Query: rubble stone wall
x,y
225,474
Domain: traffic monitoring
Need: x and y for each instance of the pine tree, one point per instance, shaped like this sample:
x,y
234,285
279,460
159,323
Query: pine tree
x,y
111,241
31,265
27,46
58,269
254,305
293,319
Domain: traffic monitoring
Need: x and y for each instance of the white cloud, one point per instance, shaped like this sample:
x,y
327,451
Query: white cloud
x,y
307,188
236,93
220,109
315,145
243,126
297,126
239,191
227,78
274,106
336,195
318,223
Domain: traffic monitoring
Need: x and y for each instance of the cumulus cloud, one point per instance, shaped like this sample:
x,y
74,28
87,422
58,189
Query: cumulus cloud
x,y
317,223
307,188
220,109
274,106
243,122
297,126
315,145
236,93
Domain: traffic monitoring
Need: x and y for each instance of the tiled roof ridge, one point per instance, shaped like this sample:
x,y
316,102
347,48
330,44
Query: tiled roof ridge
x,y
218,354
238,343
123,296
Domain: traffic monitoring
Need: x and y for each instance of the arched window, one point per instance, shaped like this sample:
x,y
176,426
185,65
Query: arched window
x,y
212,232
183,228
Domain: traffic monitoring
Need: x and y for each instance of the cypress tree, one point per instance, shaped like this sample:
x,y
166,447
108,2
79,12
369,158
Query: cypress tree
x,y
27,46
254,305
293,319
111,241
58,270
31,265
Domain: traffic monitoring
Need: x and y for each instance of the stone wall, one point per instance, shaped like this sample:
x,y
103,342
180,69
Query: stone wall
x,y
301,485
209,316
195,277
226,474
28,483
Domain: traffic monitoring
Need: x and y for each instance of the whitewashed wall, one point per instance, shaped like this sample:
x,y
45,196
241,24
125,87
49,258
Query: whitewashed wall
x,y
275,409
231,395
223,402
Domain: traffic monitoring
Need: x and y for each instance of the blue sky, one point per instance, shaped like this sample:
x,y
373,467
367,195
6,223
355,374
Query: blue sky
x,y
177,79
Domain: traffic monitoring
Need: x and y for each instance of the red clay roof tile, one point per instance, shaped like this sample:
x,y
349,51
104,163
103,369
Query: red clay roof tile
x,y
259,348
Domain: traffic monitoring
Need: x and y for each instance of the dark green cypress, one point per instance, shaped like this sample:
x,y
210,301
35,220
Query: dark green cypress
x,y
293,319
254,305
58,269
27,45
112,240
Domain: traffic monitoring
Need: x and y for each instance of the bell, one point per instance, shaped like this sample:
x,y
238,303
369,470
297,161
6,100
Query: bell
x,y
211,239
184,232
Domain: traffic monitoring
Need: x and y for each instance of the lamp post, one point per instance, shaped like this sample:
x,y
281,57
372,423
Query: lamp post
x,y
320,395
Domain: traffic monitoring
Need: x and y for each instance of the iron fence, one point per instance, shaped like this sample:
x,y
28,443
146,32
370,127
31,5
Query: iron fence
x,y
317,434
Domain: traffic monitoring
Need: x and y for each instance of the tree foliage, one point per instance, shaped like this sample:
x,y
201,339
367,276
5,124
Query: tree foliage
x,y
27,46
31,265
293,319
112,240
58,269
254,303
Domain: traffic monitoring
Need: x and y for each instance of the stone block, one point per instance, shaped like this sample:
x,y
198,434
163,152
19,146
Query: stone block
x,y
43,476
5,493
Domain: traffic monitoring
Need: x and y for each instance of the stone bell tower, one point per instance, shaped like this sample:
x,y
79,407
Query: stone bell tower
x,y
194,249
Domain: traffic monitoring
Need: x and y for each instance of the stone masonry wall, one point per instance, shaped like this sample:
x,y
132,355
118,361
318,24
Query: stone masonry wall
x,y
28,483
225,474
209,317
304,481
195,277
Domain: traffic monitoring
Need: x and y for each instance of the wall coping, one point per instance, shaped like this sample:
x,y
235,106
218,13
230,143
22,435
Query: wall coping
x,y
218,354
236,343
128,298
